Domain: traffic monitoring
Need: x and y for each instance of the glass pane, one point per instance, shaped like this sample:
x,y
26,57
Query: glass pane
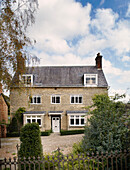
x,y
72,121
57,99
88,80
80,99
39,121
28,79
33,120
34,100
38,99
53,99
82,121
76,98
31,100
28,121
77,121
72,99
93,80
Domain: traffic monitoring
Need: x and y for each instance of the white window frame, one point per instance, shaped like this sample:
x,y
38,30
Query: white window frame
x,y
55,98
75,99
36,99
75,116
38,116
26,75
90,75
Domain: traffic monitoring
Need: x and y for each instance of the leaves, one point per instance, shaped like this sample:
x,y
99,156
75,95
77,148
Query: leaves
x,y
107,130
15,18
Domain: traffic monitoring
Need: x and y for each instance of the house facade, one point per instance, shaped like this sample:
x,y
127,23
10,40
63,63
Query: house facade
x,y
56,96
3,114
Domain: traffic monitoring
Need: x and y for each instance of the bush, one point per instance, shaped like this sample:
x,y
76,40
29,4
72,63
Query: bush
x,y
13,134
30,141
46,133
13,126
71,132
106,130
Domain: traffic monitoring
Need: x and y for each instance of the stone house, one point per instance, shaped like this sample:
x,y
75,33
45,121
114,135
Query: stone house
x,y
3,114
55,96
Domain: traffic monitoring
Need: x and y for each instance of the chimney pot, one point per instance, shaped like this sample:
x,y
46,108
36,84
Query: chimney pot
x,y
99,61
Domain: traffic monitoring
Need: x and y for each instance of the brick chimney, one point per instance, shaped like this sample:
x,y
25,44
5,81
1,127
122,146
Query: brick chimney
x,y
99,61
1,88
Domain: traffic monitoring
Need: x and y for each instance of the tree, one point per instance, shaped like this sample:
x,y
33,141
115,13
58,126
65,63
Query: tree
x,y
15,17
106,130
17,121
30,141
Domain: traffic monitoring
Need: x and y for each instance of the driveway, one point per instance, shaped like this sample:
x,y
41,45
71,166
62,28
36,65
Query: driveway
x,y
50,144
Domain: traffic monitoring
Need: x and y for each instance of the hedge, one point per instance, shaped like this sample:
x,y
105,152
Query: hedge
x,y
13,134
46,133
71,132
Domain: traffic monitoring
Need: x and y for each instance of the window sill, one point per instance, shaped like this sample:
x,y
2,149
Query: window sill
x,y
76,125
76,103
35,103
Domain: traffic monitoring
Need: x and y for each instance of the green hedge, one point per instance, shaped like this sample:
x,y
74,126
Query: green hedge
x,y
71,132
13,134
46,133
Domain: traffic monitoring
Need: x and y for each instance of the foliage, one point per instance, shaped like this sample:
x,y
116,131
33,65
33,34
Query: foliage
x,y
30,141
71,132
13,126
15,18
19,117
13,134
17,121
106,130
46,133
71,161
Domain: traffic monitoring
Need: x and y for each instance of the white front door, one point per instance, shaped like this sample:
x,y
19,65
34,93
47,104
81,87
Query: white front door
x,y
55,124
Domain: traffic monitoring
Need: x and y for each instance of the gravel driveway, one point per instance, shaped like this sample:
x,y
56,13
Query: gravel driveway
x,y
50,144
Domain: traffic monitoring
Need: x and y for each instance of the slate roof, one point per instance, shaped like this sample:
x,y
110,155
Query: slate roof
x,y
73,111
34,112
64,76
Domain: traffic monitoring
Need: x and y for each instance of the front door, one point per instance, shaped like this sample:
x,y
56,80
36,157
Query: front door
x,y
55,124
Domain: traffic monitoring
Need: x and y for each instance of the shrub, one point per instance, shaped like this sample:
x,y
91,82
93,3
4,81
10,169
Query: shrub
x,y
46,133
71,132
30,141
13,126
106,130
13,134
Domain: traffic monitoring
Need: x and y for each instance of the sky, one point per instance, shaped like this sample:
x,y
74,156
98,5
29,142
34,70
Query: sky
x,y
72,32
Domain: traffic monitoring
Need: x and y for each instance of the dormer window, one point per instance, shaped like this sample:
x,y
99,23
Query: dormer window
x,y
90,80
27,79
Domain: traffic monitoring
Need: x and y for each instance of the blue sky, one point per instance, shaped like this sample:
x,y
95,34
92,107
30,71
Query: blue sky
x,y
72,32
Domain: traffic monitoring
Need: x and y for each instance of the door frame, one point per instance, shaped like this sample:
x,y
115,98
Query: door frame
x,y
59,116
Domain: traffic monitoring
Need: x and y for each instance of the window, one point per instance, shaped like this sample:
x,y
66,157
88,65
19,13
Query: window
x,y
31,119
76,99
90,79
77,120
55,99
35,100
27,79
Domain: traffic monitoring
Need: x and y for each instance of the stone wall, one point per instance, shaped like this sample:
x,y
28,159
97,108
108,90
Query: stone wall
x,y
20,98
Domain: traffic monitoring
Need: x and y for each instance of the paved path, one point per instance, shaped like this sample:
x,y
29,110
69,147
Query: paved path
x,y
50,144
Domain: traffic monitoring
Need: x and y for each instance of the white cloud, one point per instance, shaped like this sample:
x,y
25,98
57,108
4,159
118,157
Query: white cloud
x,y
102,2
126,58
112,93
60,23
128,11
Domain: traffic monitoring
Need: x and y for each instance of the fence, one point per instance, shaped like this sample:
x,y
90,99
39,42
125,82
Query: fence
x,y
58,161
